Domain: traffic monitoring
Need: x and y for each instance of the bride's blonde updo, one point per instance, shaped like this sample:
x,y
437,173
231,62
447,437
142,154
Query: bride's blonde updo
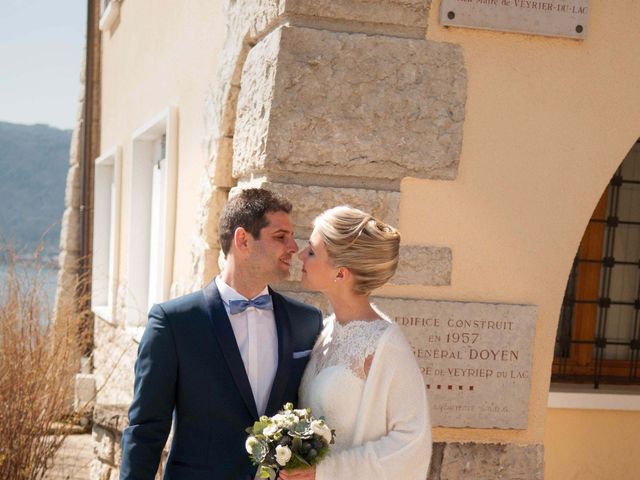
x,y
366,246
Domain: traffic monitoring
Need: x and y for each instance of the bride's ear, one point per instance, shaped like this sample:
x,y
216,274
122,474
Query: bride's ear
x,y
342,274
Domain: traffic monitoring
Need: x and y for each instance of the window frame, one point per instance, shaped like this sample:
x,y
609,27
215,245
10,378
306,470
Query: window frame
x,y
106,231
140,212
109,14
584,397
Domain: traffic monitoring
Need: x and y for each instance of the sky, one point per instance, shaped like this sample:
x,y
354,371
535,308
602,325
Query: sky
x,y
41,50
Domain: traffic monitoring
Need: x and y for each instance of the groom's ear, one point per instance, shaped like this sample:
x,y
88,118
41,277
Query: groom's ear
x,y
240,239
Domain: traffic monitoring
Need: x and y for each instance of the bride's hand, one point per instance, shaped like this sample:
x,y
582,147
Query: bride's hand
x,y
301,474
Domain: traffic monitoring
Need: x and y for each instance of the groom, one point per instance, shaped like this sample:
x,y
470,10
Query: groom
x,y
213,361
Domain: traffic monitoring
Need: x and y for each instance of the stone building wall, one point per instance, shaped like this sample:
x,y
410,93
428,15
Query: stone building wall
x,y
71,278
333,102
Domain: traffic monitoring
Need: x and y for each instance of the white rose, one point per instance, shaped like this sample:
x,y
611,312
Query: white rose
x,y
283,455
301,412
251,441
270,430
279,419
319,428
285,420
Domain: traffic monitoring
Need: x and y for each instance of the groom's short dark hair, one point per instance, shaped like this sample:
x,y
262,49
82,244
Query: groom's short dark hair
x,y
248,209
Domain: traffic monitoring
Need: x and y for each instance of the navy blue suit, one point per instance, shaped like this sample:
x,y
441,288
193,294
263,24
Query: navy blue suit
x,y
189,371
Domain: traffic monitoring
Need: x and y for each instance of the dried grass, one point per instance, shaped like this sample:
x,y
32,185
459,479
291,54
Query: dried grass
x,y
38,362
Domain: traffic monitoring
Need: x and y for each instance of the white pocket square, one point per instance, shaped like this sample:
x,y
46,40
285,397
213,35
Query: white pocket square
x,y
301,354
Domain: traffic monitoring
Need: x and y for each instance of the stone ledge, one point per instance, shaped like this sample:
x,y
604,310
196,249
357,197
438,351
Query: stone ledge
x,y
112,417
388,16
352,26
405,13
492,461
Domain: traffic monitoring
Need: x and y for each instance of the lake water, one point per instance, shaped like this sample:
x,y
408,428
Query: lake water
x,y
47,277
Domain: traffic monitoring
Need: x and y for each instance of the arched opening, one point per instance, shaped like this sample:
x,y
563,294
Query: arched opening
x,y
598,338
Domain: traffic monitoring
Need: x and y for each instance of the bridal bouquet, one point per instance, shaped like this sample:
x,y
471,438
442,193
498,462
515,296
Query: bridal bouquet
x,y
290,439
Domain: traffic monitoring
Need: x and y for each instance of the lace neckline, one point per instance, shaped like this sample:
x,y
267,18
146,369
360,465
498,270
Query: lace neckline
x,y
354,323
349,344
357,322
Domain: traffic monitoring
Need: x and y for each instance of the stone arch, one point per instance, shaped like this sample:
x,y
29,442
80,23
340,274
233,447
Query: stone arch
x,y
597,209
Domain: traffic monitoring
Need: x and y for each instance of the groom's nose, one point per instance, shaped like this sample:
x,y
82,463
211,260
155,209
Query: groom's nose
x,y
293,246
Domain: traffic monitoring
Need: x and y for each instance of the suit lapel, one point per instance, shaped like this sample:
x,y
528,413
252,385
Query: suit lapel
x,y
285,354
229,345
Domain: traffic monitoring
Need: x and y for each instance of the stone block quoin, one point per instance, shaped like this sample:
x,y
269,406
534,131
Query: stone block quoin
x,y
292,47
405,13
252,19
350,105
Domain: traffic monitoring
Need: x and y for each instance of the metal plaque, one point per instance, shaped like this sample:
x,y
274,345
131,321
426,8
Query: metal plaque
x,y
475,359
558,18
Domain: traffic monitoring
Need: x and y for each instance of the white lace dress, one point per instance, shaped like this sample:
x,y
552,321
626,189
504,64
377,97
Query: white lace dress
x,y
363,379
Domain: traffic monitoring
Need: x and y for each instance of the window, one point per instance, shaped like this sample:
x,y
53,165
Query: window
x,y
106,213
109,14
152,216
598,336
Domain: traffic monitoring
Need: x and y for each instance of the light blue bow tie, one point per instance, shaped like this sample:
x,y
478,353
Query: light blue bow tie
x,y
263,302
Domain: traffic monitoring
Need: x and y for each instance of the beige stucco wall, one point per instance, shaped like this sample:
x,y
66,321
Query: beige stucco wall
x,y
547,122
592,444
159,56
155,57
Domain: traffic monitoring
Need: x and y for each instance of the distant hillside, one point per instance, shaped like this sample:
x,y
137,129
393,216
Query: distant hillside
x,y
34,160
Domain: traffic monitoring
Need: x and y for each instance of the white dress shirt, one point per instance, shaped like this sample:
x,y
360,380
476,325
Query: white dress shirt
x,y
257,338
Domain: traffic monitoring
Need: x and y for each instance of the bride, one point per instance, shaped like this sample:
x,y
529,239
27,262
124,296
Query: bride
x,y
362,376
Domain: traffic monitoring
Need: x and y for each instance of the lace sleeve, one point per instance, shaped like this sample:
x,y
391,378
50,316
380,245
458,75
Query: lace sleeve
x,y
352,345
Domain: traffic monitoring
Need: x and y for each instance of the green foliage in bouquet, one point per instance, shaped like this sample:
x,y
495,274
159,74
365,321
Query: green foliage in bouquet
x,y
291,439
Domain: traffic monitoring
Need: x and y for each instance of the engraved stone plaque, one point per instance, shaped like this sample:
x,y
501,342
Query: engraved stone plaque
x,y
475,358
561,18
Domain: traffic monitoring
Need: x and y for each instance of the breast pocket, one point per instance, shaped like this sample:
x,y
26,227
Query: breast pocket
x,y
301,354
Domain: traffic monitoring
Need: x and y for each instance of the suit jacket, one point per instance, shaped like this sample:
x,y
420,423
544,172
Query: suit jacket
x,y
189,372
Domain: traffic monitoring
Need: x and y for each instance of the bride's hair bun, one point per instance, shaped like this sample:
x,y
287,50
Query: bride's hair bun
x,y
365,245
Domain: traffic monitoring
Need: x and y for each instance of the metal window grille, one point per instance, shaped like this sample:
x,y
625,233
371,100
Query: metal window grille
x,y
609,351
